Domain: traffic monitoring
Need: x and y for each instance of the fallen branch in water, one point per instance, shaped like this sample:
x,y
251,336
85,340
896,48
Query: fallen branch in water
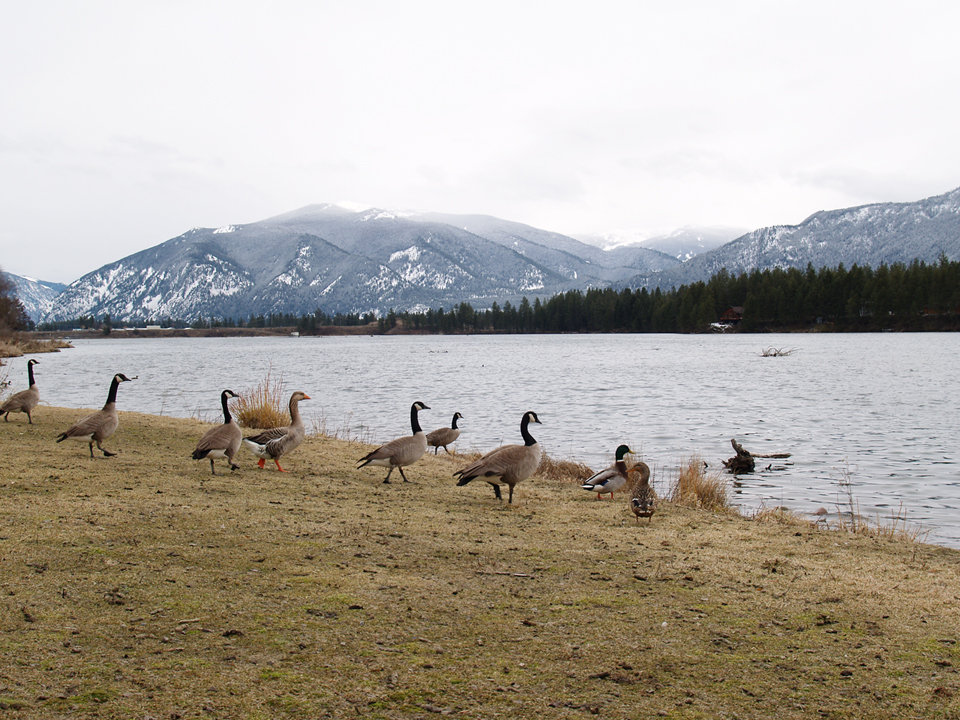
x,y
744,462
776,352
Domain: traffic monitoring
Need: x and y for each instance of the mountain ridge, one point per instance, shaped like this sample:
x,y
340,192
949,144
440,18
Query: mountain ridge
x,y
342,260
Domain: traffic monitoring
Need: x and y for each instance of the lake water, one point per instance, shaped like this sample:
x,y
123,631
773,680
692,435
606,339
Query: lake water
x,y
879,410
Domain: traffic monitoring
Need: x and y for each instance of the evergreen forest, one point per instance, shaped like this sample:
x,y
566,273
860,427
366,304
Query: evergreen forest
x,y
918,296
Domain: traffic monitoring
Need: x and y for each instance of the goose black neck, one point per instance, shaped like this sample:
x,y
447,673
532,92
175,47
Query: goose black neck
x,y
226,409
414,420
30,374
525,432
112,395
454,424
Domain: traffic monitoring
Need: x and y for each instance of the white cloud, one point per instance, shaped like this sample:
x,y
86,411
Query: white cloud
x,y
126,124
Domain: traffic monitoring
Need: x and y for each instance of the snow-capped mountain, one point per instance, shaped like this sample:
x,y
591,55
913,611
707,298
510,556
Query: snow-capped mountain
x,y
342,260
867,235
681,244
37,296
688,242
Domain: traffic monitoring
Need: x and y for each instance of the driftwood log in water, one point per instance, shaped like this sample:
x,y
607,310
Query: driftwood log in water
x,y
744,460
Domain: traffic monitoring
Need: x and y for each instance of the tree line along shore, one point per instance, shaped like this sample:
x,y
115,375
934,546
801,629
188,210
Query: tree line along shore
x,y
903,297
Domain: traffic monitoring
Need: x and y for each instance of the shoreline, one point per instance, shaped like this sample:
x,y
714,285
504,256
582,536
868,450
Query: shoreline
x,y
141,584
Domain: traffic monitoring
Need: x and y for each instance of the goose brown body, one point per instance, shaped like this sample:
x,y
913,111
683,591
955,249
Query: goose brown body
x,y
441,437
507,464
223,440
98,426
276,442
25,400
402,451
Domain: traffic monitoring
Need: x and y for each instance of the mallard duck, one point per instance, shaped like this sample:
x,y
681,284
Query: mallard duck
x,y
277,442
97,427
221,441
441,437
611,478
643,499
402,451
25,400
507,464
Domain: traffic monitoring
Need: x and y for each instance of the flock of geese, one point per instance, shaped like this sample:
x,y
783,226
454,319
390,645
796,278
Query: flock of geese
x,y
505,465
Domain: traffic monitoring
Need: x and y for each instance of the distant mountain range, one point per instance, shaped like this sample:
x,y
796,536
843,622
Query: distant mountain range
x,y
867,235
682,244
37,296
341,260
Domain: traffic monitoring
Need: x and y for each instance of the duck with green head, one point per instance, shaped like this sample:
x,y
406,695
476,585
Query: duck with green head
x,y
611,478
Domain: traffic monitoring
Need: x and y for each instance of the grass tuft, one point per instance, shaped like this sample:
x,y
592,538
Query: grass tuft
x,y
563,470
778,514
695,487
850,520
264,405
12,347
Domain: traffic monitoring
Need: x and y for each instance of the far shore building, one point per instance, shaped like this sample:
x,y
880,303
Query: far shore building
x,y
732,315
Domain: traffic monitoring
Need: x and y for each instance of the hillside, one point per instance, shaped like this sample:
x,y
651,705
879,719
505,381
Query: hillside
x,y
342,261
37,296
868,235
345,261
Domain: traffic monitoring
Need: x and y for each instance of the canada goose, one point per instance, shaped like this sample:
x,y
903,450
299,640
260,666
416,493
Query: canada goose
x,y
611,478
100,425
643,499
25,400
221,441
400,452
509,464
442,437
276,442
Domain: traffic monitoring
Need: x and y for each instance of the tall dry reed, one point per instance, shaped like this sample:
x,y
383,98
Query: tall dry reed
x,y
263,406
695,487
563,470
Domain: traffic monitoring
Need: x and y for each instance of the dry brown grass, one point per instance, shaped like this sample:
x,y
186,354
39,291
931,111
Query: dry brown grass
x,y
778,514
9,349
140,586
15,347
698,488
849,518
263,406
567,471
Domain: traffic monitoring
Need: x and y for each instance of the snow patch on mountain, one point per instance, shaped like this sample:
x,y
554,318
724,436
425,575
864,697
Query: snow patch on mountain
x,y
412,254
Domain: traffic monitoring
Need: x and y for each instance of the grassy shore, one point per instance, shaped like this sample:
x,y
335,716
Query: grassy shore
x,y
141,587
28,344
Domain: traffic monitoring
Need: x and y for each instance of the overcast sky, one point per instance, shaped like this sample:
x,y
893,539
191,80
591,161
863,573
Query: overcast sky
x,y
123,124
